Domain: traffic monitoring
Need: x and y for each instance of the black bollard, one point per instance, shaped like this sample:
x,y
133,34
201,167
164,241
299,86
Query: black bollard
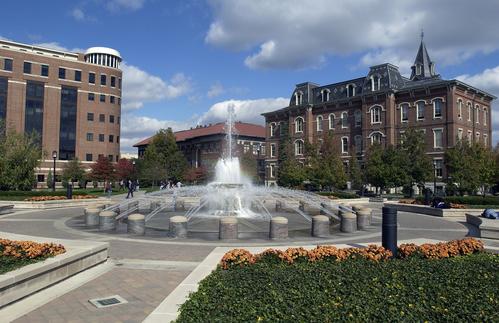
x,y
389,230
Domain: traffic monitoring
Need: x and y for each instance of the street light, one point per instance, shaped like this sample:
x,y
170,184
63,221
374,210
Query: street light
x,y
54,156
434,178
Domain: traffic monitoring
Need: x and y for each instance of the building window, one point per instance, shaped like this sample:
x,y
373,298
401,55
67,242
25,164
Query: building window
x,y
469,136
460,109
420,110
78,76
101,137
331,121
272,150
486,140
103,79
404,112
90,136
319,123
477,137
91,96
119,101
91,78
272,129
102,118
437,108
27,68
350,90
271,171
375,83
88,157
45,70
299,124
437,138
7,64
459,134
111,119
111,99
33,120
376,138
358,144
477,110
119,83
358,118
344,119
469,111
111,138
375,114
62,73
485,116
113,81
4,84
40,178
438,167
299,98
344,145
325,95
110,158
299,148
102,98
90,116
418,69
119,120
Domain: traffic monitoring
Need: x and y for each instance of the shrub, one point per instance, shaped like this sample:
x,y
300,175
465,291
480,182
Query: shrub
x,y
339,194
29,249
469,200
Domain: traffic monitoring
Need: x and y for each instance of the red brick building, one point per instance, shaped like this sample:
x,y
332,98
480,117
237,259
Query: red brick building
x,y
379,107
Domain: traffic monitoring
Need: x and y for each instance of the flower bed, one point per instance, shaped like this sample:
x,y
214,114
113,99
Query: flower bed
x,y
58,198
15,254
453,281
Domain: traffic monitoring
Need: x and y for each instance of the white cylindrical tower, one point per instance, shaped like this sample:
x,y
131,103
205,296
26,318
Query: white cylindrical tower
x,y
103,56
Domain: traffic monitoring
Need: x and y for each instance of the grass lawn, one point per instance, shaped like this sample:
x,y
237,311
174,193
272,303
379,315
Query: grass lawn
x,y
9,263
463,288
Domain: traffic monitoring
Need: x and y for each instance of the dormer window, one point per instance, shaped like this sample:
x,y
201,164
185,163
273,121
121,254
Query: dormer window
x,y
350,90
418,69
375,83
299,124
299,98
325,95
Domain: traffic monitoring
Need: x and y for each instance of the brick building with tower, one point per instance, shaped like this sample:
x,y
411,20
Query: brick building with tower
x,y
379,107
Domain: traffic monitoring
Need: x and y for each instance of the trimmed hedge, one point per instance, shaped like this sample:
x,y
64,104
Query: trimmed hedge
x,y
39,193
340,195
468,200
463,288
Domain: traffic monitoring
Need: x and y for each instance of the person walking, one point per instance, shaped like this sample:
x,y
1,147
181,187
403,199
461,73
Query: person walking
x,y
109,189
122,185
130,187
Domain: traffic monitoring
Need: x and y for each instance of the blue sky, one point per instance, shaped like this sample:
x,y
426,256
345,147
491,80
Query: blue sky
x,y
186,60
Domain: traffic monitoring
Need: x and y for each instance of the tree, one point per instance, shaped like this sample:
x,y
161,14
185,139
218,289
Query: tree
x,y
50,179
249,165
101,170
290,172
73,171
196,175
335,174
418,166
355,176
124,169
375,168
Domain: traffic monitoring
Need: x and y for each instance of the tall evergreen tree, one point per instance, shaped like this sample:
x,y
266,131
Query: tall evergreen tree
x,y
355,174
418,165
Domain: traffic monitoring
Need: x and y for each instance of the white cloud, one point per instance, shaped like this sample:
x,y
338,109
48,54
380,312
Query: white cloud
x,y
132,5
300,34
57,46
3,38
140,87
215,90
78,14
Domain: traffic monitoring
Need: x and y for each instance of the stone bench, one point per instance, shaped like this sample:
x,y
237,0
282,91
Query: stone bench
x,y
488,228
6,208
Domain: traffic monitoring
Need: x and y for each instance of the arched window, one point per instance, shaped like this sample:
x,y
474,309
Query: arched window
x,y
420,110
477,110
358,118
331,121
358,143
437,108
350,90
299,147
272,129
486,140
404,112
325,95
299,98
376,137
460,109
299,124
375,83
485,116
344,119
469,111
344,145
376,114
319,123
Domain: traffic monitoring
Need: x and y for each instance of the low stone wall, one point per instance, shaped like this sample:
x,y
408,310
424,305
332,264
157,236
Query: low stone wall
x,y
428,210
488,228
79,256
55,204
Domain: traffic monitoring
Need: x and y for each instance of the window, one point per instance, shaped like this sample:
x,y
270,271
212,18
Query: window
x,y
420,109
119,83
485,117
376,138
319,123
272,150
350,90
468,137
102,118
344,119
469,111
344,145
438,167
62,73
27,68
486,140
299,148
67,124
298,98
44,70
4,84
459,134
103,79
111,99
271,171
118,139
358,118
90,116
91,96
88,157
119,100
91,78
40,178
7,64
418,69
272,129
113,81
102,98
119,120
358,144
404,112
331,121
437,108
437,138
111,119
111,138
375,83
375,114
110,158
90,136
299,124
78,76
460,109
101,137
325,95
477,110
33,120
477,137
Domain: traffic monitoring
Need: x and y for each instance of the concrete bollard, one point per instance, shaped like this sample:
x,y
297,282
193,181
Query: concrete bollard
x,y
136,224
178,226
107,220
92,217
348,222
363,218
145,206
320,226
278,228
228,228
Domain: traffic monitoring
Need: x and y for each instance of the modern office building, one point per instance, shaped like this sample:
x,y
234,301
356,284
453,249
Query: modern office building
x,y
71,100
379,107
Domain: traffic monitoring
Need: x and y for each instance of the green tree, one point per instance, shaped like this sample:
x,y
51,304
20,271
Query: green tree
x,y
418,166
73,171
101,170
375,170
355,175
332,165
50,179
290,173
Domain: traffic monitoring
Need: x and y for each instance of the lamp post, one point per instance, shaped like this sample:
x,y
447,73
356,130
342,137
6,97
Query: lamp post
x,y
434,179
54,156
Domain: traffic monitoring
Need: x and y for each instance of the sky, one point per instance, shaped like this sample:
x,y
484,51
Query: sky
x,y
185,61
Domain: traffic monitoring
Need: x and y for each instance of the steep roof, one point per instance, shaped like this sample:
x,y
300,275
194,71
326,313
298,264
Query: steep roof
x,y
242,129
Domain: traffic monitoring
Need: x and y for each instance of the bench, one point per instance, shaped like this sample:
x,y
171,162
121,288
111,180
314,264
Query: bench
x,y
6,208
